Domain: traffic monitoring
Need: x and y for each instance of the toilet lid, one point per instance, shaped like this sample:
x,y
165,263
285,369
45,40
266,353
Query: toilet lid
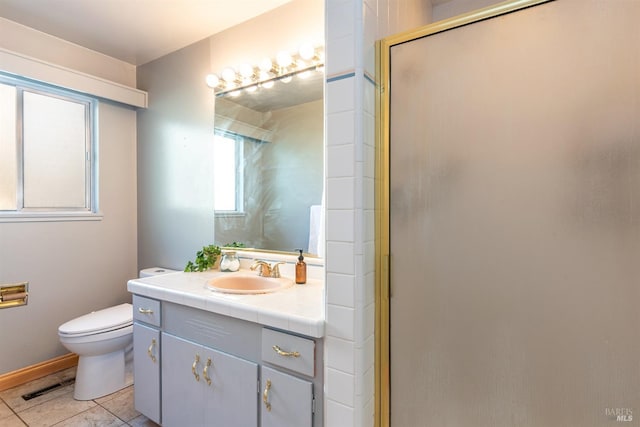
x,y
108,319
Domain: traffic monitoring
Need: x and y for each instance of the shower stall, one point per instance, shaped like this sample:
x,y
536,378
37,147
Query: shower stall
x,y
511,218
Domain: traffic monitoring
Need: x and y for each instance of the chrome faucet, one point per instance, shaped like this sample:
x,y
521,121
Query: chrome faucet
x,y
267,270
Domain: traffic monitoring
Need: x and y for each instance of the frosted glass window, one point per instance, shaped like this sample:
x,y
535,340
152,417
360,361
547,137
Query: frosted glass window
x,y
227,174
47,162
55,152
8,155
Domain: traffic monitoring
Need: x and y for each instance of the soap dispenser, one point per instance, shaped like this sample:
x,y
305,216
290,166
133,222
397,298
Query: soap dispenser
x,y
301,269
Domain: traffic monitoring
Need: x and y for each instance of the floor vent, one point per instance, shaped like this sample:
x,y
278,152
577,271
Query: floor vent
x,y
48,389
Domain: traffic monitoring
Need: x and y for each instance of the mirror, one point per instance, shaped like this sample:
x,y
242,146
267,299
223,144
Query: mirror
x,y
274,193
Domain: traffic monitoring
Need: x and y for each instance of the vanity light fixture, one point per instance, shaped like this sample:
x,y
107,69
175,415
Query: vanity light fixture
x,y
213,80
284,59
228,75
267,72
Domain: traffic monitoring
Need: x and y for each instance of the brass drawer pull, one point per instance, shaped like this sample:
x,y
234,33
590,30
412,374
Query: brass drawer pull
x,y
193,368
150,350
145,310
281,352
205,372
265,396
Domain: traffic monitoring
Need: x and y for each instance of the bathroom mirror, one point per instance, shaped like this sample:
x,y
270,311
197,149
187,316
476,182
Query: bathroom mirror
x,y
271,192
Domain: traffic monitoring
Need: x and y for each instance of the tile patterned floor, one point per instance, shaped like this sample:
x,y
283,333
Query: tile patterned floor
x,y
58,408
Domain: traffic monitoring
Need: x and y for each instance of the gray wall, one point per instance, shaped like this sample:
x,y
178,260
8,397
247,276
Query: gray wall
x,y
73,267
175,191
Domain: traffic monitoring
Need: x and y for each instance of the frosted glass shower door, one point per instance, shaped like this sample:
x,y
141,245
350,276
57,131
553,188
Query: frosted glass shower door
x,y
515,220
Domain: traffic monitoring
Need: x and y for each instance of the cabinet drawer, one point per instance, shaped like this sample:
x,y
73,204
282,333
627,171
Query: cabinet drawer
x,y
146,310
289,351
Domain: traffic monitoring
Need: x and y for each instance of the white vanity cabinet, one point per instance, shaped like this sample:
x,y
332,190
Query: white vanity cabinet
x,y
146,357
205,387
218,370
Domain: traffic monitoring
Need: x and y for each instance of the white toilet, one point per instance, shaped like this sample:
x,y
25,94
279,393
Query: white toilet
x,y
100,339
103,339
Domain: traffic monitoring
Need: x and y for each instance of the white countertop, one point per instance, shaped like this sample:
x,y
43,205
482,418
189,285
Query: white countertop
x,y
299,308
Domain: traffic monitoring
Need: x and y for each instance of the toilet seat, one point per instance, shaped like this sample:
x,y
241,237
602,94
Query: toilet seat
x,y
98,322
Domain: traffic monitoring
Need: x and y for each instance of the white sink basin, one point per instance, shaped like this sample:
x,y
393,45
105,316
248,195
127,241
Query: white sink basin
x,y
245,284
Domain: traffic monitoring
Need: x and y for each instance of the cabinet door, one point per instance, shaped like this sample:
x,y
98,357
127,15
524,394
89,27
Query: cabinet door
x,y
182,391
231,396
146,371
287,401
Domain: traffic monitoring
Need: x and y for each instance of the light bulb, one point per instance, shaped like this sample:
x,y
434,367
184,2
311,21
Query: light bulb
x,y
266,65
264,75
286,79
228,75
251,89
213,80
283,59
246,70
306,51
304,75
234,93
268,85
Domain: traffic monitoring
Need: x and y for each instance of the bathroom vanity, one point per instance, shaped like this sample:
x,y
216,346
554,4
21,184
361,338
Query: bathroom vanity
x,y
208,358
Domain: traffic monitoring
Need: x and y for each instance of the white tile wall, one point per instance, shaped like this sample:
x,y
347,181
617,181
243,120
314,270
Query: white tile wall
x,y
340,322
342,229
341,386
338,415
341,127
342,17
340,95
341,160
370,23
340,289
349,370
340,193
341,356
340,258
341,55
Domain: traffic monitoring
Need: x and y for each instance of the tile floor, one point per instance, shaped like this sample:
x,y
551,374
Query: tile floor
x,y
58,408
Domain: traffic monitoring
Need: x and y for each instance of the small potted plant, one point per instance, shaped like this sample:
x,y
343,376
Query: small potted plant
x,y
206,259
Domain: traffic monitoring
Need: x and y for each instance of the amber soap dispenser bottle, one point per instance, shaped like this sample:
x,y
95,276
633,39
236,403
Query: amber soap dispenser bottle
x,y
301,269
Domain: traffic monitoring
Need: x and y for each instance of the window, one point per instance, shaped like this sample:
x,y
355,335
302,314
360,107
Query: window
x,y
227,172
47,159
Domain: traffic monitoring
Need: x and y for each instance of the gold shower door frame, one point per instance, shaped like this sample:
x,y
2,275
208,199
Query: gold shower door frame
x,y
382,182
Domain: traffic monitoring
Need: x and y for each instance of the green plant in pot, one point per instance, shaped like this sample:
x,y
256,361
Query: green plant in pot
x,y
205,259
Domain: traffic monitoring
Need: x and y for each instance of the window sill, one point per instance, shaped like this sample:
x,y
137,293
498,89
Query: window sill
x,y
49,216
227,214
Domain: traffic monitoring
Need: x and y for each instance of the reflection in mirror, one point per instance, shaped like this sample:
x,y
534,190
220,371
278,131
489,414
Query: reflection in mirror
x,y
270,166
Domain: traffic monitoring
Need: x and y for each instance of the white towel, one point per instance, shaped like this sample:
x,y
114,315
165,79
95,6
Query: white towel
x,y
316,230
